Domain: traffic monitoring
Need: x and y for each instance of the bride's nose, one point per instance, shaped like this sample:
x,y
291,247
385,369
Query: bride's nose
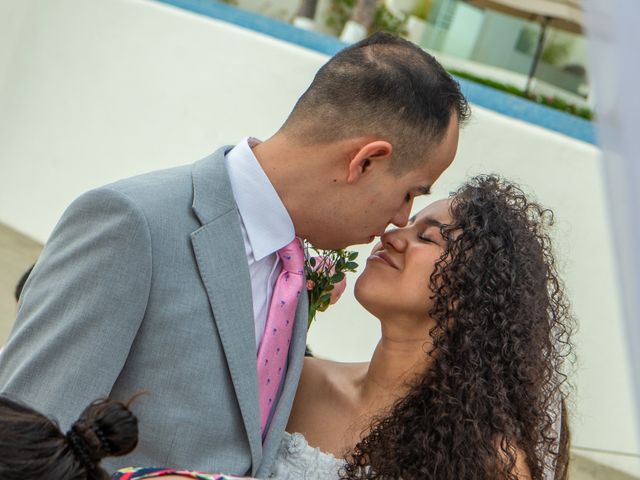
x,y
394,238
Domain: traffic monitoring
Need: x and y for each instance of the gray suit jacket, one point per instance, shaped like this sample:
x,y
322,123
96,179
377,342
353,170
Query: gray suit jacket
x,y
144,285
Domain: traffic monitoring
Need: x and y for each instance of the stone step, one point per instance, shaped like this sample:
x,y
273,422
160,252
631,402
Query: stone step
x,y
17,253
587,465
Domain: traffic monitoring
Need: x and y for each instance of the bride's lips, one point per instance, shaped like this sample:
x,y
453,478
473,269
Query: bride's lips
x,y
382,256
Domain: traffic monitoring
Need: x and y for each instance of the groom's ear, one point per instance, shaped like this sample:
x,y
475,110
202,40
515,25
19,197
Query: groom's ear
x,y
372,153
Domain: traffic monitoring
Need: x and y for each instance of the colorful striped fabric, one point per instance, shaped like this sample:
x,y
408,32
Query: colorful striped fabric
x,y
144,473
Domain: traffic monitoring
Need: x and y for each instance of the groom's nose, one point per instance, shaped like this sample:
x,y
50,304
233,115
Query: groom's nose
x,y
401,218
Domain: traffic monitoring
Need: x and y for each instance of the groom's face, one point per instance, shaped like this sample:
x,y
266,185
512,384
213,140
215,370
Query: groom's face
x,y
384,198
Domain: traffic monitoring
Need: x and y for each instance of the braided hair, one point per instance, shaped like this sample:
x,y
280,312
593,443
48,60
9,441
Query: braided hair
x,y
32,447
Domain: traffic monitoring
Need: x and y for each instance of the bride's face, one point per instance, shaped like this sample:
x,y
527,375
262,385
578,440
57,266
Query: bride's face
x,y
396,280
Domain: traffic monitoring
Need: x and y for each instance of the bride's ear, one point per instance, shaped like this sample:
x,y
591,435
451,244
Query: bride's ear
x,y
372,153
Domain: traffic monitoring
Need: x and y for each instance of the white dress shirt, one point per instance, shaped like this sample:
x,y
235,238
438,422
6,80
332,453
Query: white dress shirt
x,y
265,223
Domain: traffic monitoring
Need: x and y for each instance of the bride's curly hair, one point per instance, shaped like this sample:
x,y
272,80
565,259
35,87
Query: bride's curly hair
x,y
497,386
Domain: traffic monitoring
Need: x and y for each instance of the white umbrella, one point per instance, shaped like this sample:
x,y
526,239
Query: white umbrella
x,y
562,14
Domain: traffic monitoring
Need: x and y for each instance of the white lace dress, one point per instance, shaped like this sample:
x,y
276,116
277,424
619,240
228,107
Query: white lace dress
x,y
296,460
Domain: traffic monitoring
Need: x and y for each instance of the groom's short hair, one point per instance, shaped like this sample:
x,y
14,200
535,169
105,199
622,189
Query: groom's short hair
x,y
383,86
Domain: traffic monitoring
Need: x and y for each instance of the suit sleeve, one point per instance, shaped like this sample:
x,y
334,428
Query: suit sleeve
x,y
81,308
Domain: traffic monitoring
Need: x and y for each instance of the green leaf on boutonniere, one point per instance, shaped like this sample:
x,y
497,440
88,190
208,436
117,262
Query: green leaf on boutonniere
x,y
338,277
323,270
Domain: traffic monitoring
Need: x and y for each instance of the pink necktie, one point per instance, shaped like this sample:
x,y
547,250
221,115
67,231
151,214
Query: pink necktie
x,y
274,349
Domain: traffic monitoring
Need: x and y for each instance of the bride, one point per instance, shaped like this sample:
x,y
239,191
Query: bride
x,y
466,381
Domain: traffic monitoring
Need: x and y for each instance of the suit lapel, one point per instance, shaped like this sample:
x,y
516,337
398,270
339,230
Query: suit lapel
x,y
221,259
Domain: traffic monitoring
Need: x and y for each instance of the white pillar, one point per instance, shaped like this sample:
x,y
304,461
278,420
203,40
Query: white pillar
x,y
614,37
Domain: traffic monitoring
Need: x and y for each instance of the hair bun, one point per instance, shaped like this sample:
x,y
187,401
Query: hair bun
x,y
106,428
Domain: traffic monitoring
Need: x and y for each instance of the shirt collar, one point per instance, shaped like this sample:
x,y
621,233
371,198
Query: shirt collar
x,y
266,220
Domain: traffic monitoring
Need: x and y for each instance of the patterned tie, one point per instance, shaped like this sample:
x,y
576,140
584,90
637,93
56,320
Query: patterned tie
x,y
274,349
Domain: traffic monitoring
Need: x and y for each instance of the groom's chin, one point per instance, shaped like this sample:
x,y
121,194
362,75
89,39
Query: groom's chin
x,y
365,240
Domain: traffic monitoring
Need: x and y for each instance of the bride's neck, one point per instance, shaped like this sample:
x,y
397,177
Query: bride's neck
x,y
398,360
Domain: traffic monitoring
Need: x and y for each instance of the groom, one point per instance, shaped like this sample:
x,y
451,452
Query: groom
x,y
163,282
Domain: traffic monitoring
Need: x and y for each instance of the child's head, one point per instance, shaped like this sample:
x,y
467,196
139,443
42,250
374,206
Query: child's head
x,y
33,447
21,282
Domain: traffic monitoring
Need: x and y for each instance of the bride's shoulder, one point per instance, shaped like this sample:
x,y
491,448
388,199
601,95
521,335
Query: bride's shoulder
x,y
326,387
320,370
323,379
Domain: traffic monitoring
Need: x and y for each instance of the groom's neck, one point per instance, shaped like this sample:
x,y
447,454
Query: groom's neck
x,y
301,175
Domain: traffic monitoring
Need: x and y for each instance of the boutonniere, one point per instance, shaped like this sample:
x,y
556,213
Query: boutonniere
x,y
325,271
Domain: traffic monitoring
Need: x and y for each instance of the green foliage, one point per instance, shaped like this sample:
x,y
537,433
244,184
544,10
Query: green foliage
x,y
384,20
549,101
423,9
526,42
556,52
323,272
339,14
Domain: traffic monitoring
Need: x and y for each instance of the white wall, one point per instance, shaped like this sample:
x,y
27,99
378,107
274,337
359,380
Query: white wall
x,y
463,33
497,39
94,90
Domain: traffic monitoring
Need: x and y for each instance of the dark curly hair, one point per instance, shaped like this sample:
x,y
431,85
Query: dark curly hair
x,y
32,447
502,337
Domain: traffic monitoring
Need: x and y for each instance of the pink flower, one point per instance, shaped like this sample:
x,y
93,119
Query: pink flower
x,y
338,288
310,284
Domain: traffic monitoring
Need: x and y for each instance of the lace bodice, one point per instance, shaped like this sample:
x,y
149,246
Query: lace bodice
x,y
296,460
